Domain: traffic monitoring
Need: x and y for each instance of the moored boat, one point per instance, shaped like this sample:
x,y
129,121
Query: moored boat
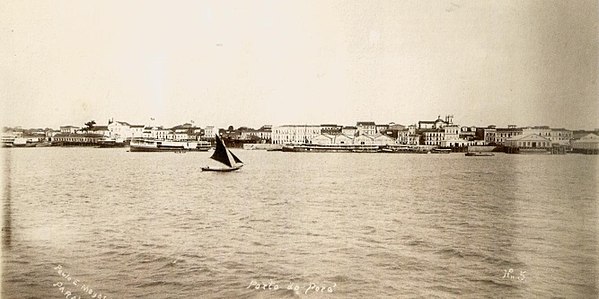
x,y
109,142
151,145
441,151
332,148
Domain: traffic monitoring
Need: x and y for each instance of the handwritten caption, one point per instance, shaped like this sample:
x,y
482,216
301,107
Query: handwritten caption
x,y
509,274
70,283
310,288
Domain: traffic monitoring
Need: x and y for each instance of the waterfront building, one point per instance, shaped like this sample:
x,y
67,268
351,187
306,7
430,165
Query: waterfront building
x,y
137,131
489,134
76,139
561,136
349,130
543,131
457,143
323,139
100,130
262,134
265,133
366,128
403,136
433,136
408,136
68,129
51,133
588,144
209,132
529,141
181,136
119,130
382,139
502,134
467,133
157,133
295,134
343,139
452,132
381,128
451,137
393,131
331,129
363,140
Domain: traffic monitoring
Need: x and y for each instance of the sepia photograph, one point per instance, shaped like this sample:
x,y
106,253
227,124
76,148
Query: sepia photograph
x,y
299,149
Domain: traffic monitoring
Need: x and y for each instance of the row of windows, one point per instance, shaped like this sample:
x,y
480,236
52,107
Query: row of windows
x,y
533,144
76,139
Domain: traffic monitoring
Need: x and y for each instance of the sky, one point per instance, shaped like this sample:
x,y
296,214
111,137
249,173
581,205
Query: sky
x,y
249,63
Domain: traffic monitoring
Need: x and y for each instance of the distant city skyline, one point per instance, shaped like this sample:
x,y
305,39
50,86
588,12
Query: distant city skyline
x,y
526,63
156,123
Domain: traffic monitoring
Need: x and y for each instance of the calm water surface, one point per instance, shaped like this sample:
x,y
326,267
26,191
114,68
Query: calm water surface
x,y
152,225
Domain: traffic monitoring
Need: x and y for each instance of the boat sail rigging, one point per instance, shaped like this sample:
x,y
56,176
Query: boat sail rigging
x,y
225,156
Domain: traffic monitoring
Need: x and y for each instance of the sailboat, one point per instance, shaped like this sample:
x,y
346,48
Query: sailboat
x,y
225,156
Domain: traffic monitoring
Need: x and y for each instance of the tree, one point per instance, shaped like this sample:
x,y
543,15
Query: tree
x,y
90,124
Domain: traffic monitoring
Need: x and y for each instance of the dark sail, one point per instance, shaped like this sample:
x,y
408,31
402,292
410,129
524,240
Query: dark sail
x,y
235,157
220,153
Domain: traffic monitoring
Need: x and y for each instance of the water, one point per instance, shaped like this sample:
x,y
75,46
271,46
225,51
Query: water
x,y
152,225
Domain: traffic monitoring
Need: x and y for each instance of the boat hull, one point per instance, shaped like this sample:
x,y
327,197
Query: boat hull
x,y
479,155
331,148
208,168
166,146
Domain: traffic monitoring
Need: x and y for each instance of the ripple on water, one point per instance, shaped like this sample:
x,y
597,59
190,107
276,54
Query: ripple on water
x,y
378,226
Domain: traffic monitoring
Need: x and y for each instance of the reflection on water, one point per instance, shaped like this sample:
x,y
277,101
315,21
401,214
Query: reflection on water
x,y
153,225
6,200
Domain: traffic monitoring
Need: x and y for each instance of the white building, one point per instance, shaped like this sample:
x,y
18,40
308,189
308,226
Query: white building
x,y
382,139
157,133
67,129
451,137
528,141
588,144
181,136
137,131
100,130
561,136
295,134
366,128
343,139
323,139
489,135
452,132
363,140
543,131
434,137
502,134
119,130
210,131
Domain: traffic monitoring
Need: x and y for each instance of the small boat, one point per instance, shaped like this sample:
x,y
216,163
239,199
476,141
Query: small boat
x,y
224,156
441,151
111,142
479,154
